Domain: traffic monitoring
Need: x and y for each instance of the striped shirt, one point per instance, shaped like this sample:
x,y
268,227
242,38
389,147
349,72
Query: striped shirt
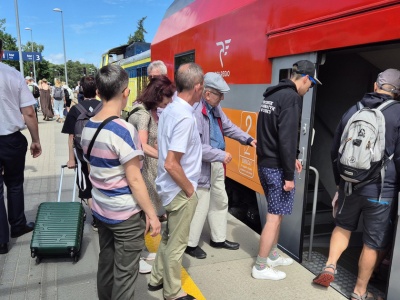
x,y
117,143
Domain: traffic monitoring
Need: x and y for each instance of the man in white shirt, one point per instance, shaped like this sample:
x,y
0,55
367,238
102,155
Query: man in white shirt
x,y
179,164
15,98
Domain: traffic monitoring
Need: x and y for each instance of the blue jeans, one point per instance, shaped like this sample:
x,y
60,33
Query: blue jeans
x,y
59,108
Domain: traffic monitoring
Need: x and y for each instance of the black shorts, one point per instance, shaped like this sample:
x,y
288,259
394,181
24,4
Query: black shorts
x,y
378,218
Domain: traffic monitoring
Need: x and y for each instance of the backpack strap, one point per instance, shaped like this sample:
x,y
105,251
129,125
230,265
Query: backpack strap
x,y
137,108
386,104
81,109
96,134
360,106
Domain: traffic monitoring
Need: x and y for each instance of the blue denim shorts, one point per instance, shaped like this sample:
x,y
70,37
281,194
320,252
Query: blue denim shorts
x,y
279,201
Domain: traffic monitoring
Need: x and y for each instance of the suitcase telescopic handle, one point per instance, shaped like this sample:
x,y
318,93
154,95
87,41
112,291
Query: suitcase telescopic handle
x,y
61,181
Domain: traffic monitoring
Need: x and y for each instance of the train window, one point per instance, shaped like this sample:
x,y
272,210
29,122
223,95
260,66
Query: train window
x,y
284,74
141,79
184,58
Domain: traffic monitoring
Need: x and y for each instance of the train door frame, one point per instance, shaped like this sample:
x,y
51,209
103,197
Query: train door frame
x,y
393,288
291,231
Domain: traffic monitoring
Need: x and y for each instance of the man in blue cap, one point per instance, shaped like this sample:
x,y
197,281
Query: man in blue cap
x,y
213,126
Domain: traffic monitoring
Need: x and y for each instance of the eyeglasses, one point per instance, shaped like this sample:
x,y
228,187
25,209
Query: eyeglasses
x,y
215,93
313,82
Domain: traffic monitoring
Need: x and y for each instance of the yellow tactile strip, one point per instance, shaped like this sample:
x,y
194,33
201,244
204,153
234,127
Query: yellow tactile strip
x,y
188,284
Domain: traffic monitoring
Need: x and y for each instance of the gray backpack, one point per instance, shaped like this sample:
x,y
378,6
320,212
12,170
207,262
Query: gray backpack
x,y
362,147
58,93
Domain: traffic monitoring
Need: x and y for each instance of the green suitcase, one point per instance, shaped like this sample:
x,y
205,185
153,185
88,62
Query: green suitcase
x,y
59,228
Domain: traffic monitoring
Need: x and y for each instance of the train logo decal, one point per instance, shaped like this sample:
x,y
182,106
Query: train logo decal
x,y
224,49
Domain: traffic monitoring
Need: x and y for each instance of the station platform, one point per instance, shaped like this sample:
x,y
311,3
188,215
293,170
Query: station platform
x,y
224,274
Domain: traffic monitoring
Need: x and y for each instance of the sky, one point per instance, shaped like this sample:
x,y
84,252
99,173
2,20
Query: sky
x,y
91,27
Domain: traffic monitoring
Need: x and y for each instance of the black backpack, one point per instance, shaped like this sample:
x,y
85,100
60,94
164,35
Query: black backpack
x,y
35,91
80,123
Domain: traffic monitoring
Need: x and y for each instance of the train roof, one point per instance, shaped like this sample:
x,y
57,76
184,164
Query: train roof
x,y
271,17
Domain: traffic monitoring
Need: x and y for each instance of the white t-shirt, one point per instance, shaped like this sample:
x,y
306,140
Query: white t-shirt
x,y
177,131
14,94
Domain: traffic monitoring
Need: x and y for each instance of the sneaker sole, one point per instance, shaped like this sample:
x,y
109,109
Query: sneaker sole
x,y
275,264
324,279
255,276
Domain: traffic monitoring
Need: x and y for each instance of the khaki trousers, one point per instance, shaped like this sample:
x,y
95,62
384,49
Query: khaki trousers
x,y
120,248
213,205
167,266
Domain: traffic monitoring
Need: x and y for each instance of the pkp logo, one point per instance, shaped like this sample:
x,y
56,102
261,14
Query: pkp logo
x,y
224,49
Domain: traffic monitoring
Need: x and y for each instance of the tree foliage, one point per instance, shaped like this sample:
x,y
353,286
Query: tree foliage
x,y
139,33
9,42
44,69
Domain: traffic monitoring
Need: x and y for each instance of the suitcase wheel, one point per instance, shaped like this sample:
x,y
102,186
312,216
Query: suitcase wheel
x,y
33,253
38,260
76,258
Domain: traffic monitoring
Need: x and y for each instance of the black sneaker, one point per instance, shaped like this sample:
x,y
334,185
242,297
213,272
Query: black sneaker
x,y
94,224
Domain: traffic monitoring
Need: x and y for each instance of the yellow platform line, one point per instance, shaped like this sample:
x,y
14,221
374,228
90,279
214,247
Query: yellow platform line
x,y
188,284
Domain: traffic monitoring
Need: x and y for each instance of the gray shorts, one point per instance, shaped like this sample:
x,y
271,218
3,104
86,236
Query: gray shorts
x,y
378,217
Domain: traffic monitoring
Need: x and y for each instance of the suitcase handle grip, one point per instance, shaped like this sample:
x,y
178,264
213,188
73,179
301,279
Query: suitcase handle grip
x,y
61,181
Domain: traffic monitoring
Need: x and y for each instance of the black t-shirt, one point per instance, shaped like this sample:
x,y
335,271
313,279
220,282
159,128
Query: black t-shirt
x,y
73,114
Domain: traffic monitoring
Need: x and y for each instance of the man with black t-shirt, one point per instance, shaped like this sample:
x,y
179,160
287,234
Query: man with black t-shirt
x,y
90,103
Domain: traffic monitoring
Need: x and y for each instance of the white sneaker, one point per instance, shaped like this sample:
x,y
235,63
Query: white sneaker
x,y
146,255
144,267
267,273
281,261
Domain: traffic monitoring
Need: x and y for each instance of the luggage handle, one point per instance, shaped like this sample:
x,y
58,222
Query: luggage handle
x,y
61,180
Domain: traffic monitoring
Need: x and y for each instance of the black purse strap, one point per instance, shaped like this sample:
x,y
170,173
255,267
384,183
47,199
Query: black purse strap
x,y
97,133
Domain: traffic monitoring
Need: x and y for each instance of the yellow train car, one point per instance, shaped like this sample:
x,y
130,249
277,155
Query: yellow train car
x,y
134,59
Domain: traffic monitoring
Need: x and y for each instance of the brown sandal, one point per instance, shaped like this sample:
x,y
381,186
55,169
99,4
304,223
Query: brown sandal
x,y
325,277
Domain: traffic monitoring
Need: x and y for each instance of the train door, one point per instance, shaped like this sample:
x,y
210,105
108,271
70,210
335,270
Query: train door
x,y
291,236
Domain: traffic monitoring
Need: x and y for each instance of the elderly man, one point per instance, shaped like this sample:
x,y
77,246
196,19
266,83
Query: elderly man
x,y
179,164
213,126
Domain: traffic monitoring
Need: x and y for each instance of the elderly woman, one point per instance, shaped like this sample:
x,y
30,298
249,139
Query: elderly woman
x,y
158,94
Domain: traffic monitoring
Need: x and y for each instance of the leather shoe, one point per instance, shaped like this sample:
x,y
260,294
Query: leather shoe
x,y
153,288
186,297
27,228
3,248
226,245
196,252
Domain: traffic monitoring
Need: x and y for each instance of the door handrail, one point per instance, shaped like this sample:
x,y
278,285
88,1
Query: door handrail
x,y
314,211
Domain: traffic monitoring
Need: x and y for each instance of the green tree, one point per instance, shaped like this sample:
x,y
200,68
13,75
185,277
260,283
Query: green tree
x,y
139,33
27,64
9,43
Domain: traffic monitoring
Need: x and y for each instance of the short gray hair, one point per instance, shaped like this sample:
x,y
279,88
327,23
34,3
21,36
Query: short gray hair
x,y
157,64
187,76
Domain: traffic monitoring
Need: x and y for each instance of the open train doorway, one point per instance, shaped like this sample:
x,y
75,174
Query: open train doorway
x,y
346,75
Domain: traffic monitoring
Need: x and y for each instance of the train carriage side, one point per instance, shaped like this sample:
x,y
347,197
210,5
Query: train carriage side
x,y
135,65
253,44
